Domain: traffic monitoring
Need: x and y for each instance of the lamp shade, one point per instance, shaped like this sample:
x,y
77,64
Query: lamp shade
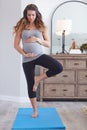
x,y
63,25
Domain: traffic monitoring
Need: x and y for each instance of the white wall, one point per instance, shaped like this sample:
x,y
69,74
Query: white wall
x,y
12,80
9,60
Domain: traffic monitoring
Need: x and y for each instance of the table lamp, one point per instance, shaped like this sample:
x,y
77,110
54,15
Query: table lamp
x,y
63,28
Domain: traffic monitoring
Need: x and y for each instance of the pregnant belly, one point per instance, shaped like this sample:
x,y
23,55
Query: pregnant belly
x,y
33,48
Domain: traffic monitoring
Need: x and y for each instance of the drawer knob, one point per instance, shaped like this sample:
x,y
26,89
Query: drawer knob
x,y
65,76
85,90
76,63
64,89
53,89
86,76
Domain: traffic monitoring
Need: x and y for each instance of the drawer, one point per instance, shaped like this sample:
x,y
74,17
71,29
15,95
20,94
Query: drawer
x,y
82,90
67,76
59,90
82,76
75,64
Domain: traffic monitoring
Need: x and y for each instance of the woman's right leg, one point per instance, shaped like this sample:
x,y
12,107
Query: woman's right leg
x,y
54,67
37,80
29,70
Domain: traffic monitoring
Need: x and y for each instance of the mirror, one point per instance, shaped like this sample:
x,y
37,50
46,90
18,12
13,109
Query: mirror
x,y
76,12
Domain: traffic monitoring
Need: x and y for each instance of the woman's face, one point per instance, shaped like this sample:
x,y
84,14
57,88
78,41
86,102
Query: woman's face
x,y
31,15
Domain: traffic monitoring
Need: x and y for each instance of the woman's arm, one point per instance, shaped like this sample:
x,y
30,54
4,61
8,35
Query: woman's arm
x,y
17,43
18,48
45,41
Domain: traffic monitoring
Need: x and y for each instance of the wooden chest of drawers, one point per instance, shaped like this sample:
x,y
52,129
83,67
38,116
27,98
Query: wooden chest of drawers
x,y
71,83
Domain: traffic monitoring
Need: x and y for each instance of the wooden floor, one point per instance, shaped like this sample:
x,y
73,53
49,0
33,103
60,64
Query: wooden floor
x,y
70,112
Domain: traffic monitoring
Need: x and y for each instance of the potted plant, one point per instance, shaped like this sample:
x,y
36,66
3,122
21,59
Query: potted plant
x,y
83,48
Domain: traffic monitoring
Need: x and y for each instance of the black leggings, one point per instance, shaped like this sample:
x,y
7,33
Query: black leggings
x,y
53,66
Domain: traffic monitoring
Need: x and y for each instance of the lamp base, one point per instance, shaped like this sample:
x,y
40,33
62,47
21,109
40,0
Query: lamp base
x,y
63,52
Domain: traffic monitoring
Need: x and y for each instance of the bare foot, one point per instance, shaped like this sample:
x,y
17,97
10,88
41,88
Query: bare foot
x,y
36,84
35,114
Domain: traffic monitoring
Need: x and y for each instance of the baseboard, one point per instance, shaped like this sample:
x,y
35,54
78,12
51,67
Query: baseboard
x,y
24,99
14,99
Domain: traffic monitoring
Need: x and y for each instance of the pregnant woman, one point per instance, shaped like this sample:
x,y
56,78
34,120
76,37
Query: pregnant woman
x,y
31,29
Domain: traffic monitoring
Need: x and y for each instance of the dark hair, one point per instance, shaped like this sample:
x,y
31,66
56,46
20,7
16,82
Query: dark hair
x,y
24,21
30,7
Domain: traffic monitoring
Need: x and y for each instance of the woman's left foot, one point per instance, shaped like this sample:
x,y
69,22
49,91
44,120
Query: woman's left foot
x,y
36,84
35,114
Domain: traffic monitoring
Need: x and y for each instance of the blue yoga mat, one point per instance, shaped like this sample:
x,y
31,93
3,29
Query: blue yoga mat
x,y
48,119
